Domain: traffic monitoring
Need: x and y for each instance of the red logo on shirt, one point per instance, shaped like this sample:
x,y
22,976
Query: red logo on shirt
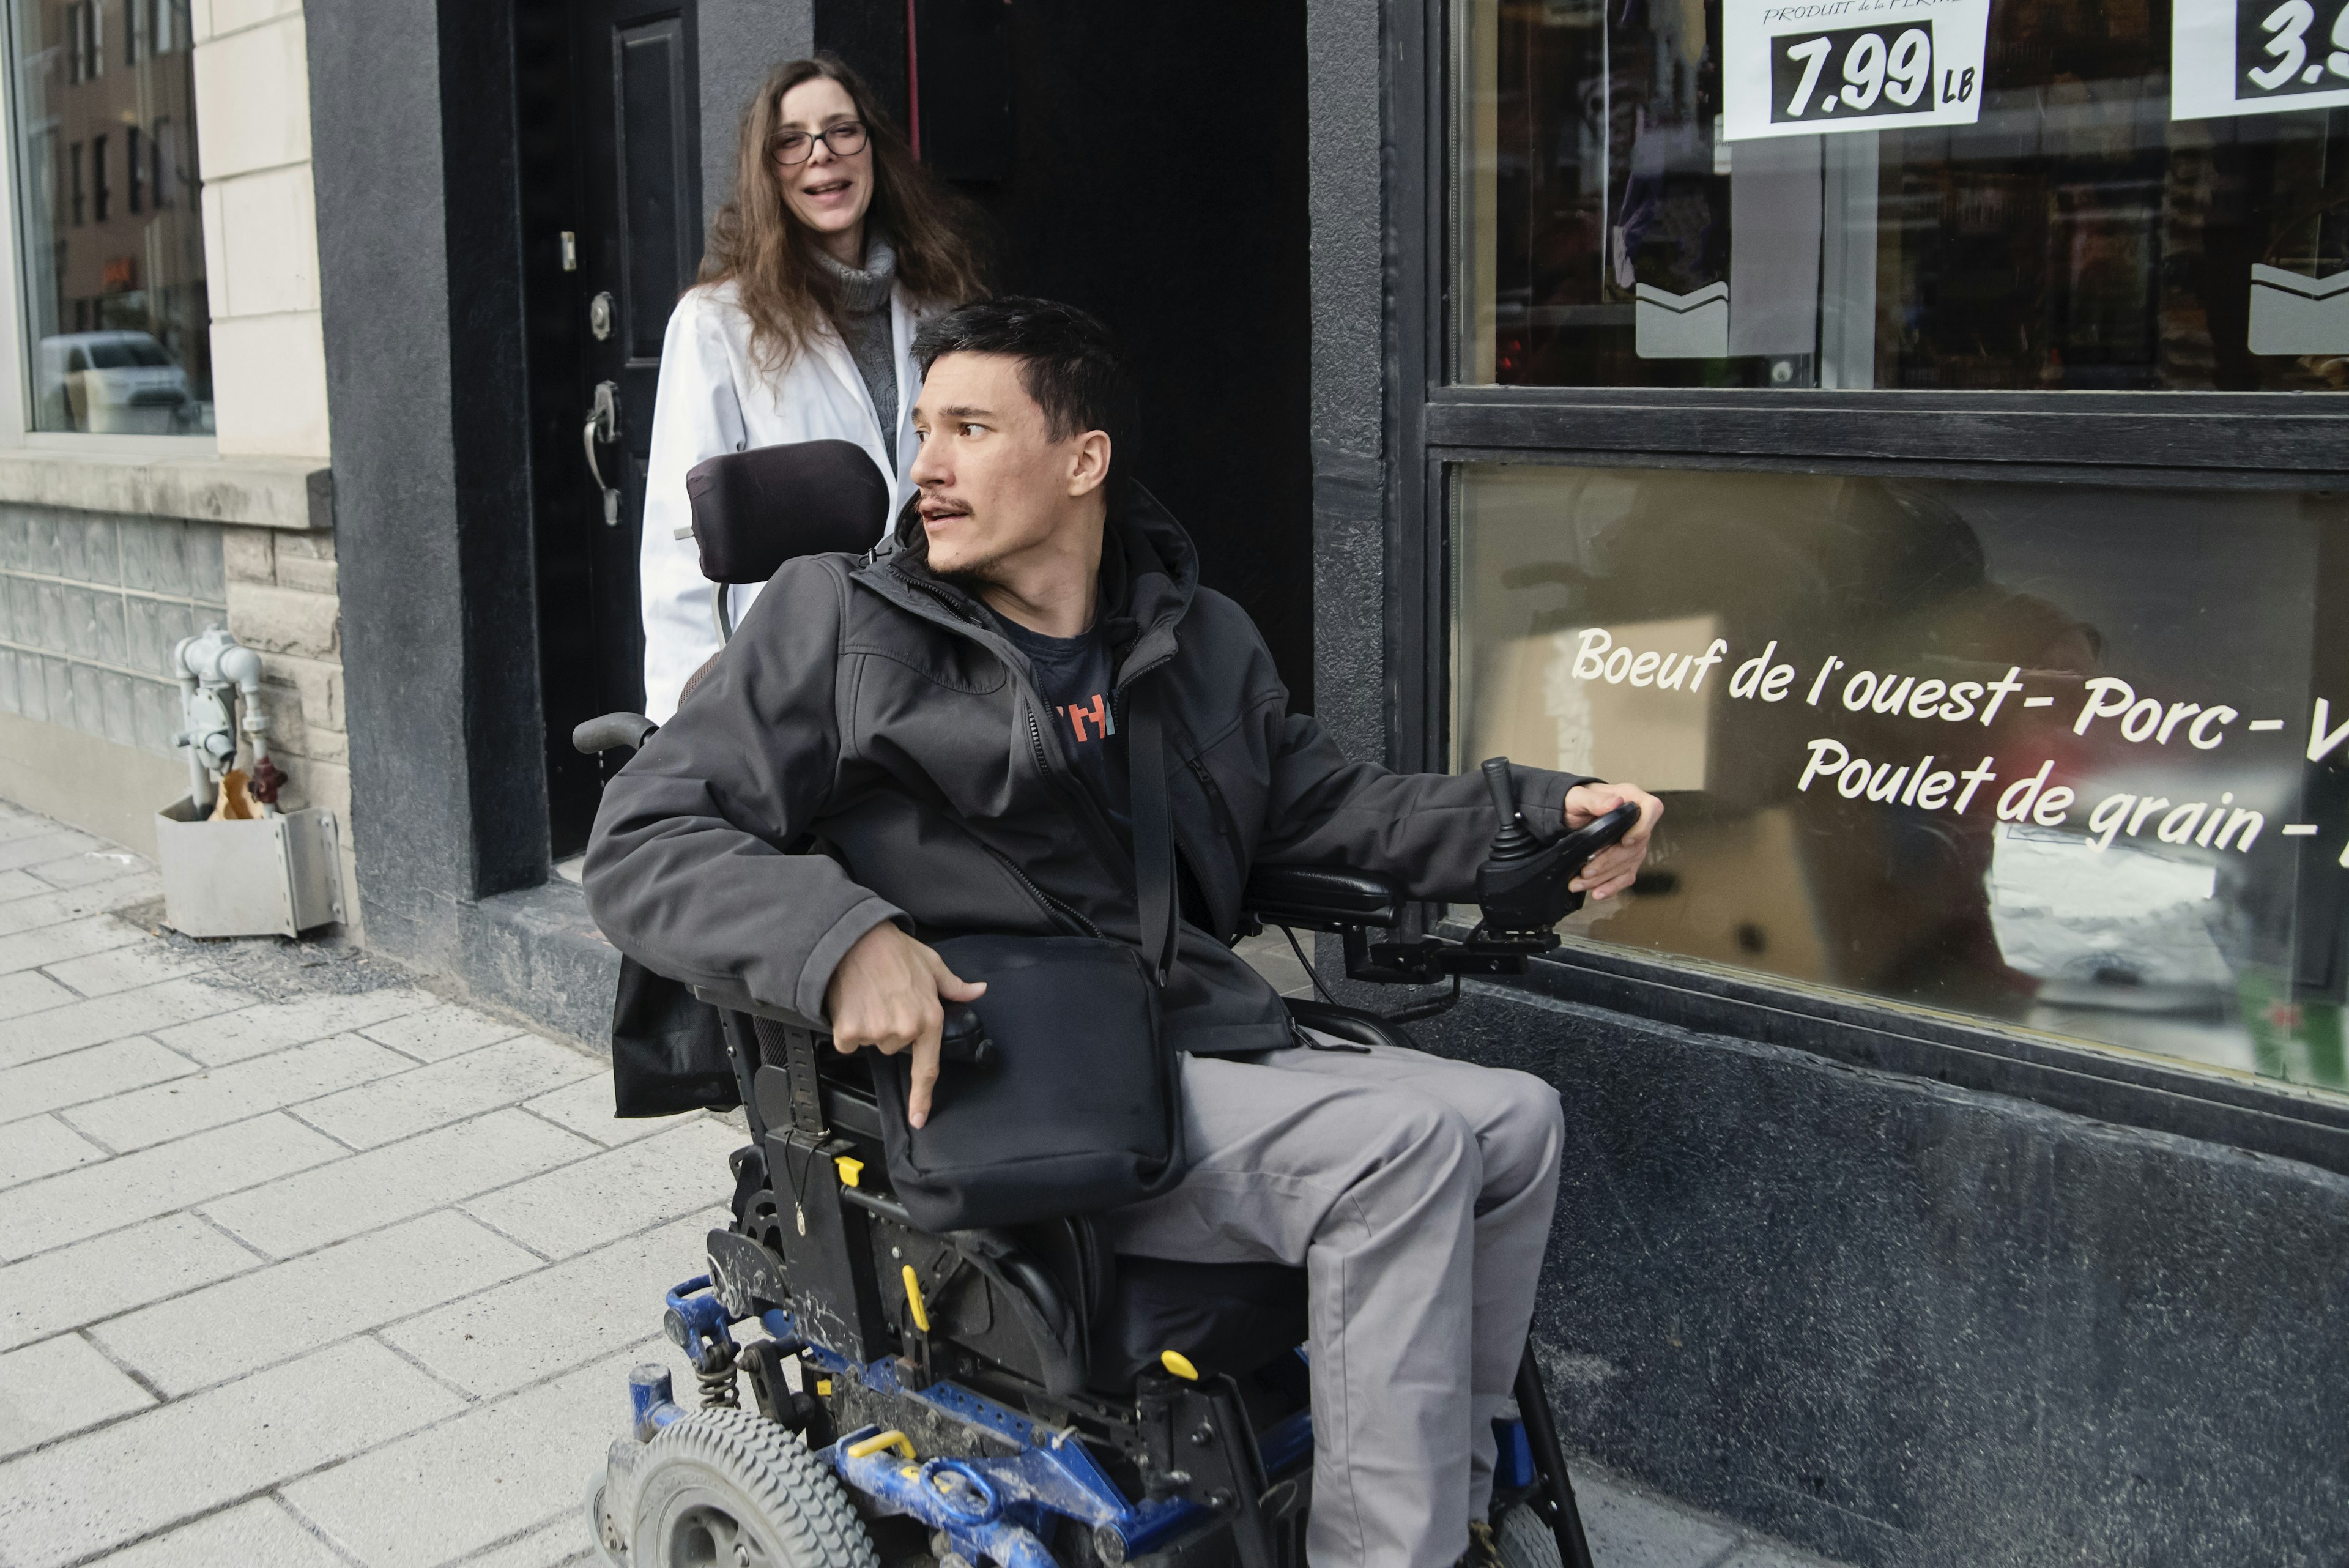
x,y
1104,722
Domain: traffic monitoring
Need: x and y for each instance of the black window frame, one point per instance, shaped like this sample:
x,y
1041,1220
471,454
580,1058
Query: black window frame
x,y
85,29
162,152
2216,441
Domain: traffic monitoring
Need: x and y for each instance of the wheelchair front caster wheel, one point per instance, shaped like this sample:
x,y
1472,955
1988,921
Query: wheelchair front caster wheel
x,y
729,1488
1524,1540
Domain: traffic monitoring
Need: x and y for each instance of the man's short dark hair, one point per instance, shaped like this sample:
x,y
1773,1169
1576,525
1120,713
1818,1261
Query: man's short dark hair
x,y
1068,360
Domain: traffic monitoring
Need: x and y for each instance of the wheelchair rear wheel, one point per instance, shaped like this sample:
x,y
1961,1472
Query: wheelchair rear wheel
x,y
729,1488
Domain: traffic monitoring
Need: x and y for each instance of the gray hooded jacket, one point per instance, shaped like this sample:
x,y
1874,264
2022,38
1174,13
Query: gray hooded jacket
x,y
871,710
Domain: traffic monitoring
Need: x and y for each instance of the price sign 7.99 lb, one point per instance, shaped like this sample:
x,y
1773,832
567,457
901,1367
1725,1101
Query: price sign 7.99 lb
x,y
1805,68
2257,57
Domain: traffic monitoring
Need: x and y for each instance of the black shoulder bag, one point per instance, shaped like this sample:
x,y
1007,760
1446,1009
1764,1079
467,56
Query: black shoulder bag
x,y
1079,1106
668,1050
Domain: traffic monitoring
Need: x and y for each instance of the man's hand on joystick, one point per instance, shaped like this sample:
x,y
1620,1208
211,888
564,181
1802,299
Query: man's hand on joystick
x,y
1614,868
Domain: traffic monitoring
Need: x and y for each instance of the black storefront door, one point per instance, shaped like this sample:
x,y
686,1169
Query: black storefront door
x,y
1147,162
614,231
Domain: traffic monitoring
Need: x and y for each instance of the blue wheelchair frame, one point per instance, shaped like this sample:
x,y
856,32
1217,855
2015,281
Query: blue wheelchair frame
x,y
1204,1465
994,1509
1202,1462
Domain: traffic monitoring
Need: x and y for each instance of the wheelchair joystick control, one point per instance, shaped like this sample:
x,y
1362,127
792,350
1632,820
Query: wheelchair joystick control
x,y
1523,889
1515,841
965,1039
1524,886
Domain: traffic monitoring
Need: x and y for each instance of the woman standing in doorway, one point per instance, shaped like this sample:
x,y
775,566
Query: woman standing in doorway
x,y
834,246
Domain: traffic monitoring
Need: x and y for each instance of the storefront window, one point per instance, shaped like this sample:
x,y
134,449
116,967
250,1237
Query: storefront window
x,y
109,236
1948,194
2068,758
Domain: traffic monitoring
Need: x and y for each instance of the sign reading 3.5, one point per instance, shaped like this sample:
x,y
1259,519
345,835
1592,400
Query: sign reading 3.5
x,y
1823,66
2272,54
2257,57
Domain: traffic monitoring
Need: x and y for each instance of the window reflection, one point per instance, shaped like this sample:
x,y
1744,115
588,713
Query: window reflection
x,y
2009,750
2076,238
110,240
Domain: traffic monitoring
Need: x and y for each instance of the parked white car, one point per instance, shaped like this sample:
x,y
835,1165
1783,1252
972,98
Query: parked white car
x,y
113,383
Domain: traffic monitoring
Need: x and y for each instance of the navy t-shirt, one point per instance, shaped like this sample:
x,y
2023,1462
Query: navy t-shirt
x,y
1073,674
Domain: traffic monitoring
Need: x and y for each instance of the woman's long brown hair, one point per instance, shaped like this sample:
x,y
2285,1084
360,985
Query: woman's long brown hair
x,y
756,245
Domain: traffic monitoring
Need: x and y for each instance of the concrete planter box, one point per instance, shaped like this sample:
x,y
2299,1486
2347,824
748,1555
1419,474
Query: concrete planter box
x,y
272,876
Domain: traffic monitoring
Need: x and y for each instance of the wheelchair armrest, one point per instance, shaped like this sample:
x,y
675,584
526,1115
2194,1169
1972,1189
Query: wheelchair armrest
x,y
759,1010
611,730
965,1039
1321,898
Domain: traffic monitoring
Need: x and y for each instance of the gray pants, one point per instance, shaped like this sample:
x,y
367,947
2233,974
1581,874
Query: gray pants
x,y
1417,1193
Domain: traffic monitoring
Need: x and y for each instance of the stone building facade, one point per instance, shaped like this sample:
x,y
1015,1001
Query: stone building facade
x,y
114,546
1922,1265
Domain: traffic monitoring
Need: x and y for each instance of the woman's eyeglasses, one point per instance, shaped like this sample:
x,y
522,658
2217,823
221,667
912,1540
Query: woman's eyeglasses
x,y
845,140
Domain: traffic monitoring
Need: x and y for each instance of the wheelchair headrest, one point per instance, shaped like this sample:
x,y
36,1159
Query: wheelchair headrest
x,y
754,510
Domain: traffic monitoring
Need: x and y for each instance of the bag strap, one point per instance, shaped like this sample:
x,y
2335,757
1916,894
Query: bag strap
x,y
1154,831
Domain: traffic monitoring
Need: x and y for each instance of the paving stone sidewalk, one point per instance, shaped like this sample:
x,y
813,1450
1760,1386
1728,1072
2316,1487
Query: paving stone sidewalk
x,y
302,1265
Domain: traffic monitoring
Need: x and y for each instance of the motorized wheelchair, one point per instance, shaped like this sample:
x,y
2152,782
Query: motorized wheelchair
x,y
1017,1397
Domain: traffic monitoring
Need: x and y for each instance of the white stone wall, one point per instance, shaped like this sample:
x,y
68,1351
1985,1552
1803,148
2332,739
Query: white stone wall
x,y
260,238
99,541
281,603
269,373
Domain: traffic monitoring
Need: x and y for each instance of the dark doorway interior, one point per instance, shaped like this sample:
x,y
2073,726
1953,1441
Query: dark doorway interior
x,y
1145,162
1154,172
611,200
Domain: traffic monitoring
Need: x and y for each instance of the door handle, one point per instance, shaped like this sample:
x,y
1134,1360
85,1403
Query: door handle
x,y
604,425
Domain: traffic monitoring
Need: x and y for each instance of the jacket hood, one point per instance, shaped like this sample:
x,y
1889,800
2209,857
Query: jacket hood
x,y
1149,576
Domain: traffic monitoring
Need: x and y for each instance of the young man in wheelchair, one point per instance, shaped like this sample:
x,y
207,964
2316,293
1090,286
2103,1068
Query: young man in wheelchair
x,y
945,716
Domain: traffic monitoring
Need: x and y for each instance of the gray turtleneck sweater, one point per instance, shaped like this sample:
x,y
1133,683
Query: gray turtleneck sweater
x,y
866,328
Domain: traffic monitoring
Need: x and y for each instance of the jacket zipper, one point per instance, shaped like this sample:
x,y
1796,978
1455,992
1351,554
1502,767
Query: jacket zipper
x,y
1121,866
930,590
1089,811
1221,813
1208,786
1052,905
1036,739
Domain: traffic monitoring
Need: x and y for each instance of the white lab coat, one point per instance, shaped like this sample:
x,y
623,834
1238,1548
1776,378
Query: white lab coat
x,y
712,399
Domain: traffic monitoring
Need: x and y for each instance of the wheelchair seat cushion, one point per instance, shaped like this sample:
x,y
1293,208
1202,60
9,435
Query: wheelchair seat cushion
x,y
1223,1317
1071,1254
